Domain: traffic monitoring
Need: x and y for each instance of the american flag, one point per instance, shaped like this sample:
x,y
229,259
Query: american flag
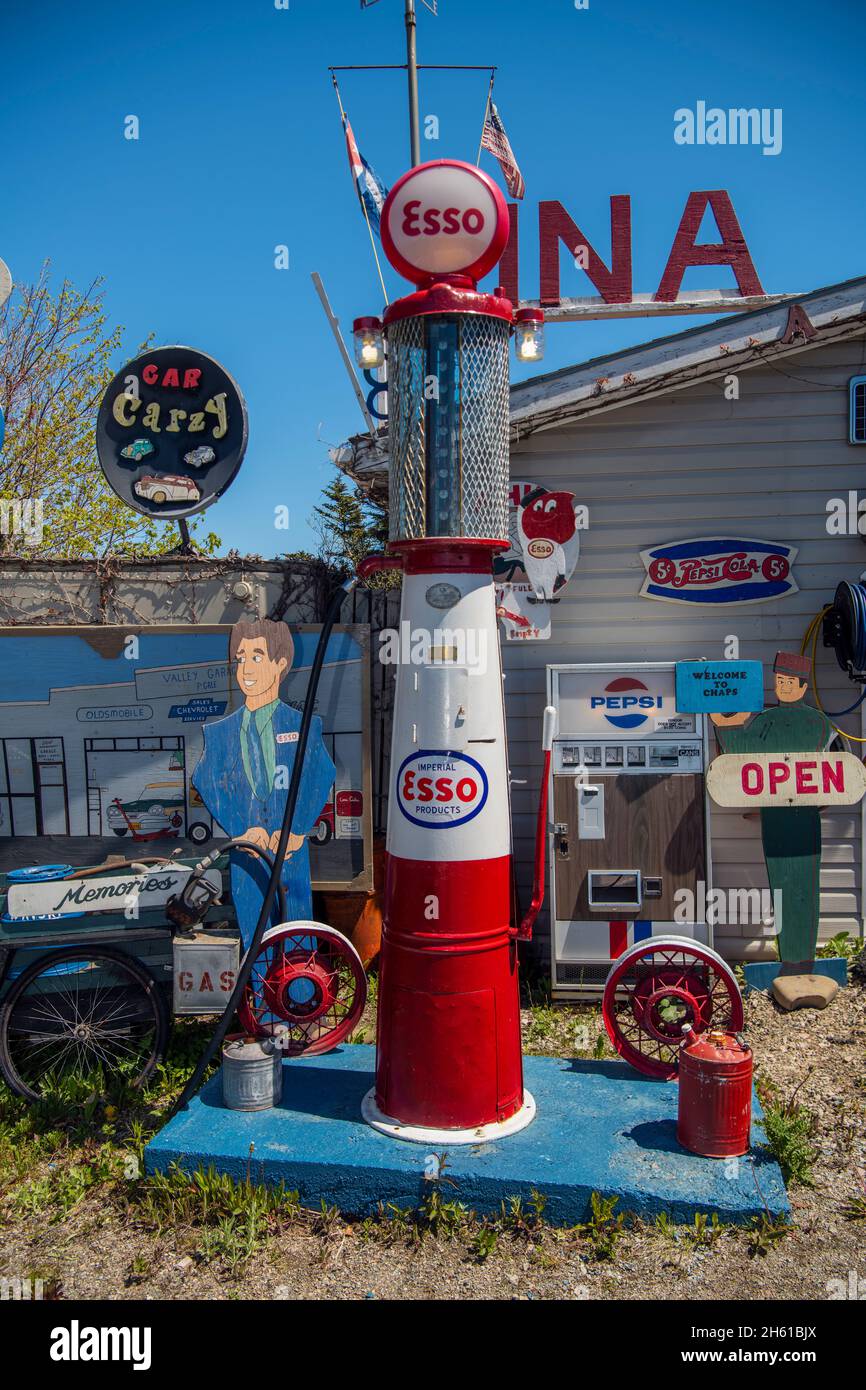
x,y
371,190
496,141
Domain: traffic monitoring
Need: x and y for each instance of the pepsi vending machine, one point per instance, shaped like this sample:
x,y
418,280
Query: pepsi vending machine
x,y
629,853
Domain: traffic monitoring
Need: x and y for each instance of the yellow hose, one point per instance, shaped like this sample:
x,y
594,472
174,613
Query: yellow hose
x,y
812,632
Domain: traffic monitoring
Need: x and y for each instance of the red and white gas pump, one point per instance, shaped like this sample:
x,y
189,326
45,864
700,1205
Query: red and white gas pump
x,y
448,1043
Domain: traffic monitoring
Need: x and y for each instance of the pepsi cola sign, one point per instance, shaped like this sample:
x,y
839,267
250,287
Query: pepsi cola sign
x,y
444,218
719,569
439,789
626,702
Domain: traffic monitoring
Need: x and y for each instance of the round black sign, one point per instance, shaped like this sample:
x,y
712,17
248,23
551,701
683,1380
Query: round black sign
x,y
171,432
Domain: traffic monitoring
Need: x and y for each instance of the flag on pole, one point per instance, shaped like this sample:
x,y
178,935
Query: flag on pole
x,y
371,190
496,141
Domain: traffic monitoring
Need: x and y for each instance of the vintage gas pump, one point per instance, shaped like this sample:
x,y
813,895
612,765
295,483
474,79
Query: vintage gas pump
x,y
448,1040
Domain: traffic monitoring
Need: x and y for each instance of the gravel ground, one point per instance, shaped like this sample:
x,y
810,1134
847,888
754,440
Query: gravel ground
x,y
106,1245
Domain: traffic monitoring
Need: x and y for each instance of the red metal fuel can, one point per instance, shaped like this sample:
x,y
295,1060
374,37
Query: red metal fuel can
x,y
715,1096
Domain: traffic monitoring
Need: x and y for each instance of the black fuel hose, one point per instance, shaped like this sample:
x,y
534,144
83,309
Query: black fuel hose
x,y
223,847
249,959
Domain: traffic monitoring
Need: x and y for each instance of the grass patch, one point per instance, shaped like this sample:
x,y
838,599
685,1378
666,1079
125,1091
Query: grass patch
x,y
789,1134
790,1128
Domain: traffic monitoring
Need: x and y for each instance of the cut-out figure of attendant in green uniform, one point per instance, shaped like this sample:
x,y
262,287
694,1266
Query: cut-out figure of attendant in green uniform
x,y
791,835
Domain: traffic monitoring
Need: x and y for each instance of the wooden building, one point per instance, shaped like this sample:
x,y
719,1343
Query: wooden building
x,y
741,429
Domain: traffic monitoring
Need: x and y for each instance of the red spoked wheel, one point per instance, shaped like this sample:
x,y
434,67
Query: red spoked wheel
x,y
657,989
307,987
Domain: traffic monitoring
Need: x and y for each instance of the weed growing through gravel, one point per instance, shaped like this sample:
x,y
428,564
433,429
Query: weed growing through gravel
x,y
766,1232
604,1228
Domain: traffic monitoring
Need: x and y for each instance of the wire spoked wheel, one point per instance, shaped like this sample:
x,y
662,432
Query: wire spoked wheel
x,y
78,1021
307,987
658,989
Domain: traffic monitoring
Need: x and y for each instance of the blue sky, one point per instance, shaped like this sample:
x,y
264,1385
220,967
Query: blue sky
x,y
241,149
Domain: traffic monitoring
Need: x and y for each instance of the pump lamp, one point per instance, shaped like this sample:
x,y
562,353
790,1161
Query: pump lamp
x,y
369,342
529,335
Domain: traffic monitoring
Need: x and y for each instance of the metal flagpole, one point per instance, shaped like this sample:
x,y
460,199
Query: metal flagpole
x,y
412,64
347,361
363,204
486,114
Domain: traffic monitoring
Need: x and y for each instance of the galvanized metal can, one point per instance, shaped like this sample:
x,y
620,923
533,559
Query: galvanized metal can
x,y
252,1074
715,1095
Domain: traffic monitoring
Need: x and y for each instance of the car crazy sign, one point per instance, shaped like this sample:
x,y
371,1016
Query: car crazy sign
x,y
714,570
440,789
444,218
171,432
753,780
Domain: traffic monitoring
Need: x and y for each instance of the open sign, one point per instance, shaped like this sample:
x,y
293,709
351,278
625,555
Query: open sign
x,y
444,218
439,789
756,780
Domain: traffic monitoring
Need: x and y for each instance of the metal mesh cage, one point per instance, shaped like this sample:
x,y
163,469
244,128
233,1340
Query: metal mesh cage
x,y
448,426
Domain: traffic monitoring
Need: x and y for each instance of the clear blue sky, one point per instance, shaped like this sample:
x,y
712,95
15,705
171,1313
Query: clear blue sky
x,y
241,149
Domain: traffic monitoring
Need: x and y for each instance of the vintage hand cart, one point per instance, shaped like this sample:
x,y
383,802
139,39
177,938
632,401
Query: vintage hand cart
x,y
87,995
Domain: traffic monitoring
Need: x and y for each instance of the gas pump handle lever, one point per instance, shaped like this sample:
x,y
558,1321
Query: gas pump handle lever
x,y
524,931
373,564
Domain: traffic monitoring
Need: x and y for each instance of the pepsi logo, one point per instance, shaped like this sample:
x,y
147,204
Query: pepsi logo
x,y
438,789
626,702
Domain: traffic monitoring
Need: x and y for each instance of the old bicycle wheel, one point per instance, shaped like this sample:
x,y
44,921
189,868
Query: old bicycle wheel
x,y
77,1020
656,990
307,987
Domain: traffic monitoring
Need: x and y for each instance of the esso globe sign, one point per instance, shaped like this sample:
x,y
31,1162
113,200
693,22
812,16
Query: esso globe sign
x,y
444,218
440,789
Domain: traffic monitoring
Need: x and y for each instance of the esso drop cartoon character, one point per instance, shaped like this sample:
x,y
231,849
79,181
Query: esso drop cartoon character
x,y
549,540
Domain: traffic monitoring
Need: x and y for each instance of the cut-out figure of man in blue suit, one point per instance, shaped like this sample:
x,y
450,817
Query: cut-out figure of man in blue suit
x,y
244,773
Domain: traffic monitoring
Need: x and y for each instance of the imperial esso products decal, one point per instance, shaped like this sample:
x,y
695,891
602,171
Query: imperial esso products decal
x,y
719,570
626,702
438,789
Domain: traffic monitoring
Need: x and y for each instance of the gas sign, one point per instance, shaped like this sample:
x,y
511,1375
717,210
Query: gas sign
x,y
444,218
754,780
440,789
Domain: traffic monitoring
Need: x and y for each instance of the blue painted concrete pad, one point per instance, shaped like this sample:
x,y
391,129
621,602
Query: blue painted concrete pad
x,y
600,1127
760,974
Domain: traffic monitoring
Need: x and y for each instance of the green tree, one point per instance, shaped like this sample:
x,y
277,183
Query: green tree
x,y
56,352
349,526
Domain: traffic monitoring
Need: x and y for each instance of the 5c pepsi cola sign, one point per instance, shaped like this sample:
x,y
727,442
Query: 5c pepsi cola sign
x,y
714,570
439,789
444,218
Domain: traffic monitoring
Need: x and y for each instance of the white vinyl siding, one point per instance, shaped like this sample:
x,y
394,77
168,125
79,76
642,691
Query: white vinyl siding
x,y
686,464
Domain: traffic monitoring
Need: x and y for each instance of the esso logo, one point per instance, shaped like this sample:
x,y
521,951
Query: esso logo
x,y
626,702
444,218
540,549
438,790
